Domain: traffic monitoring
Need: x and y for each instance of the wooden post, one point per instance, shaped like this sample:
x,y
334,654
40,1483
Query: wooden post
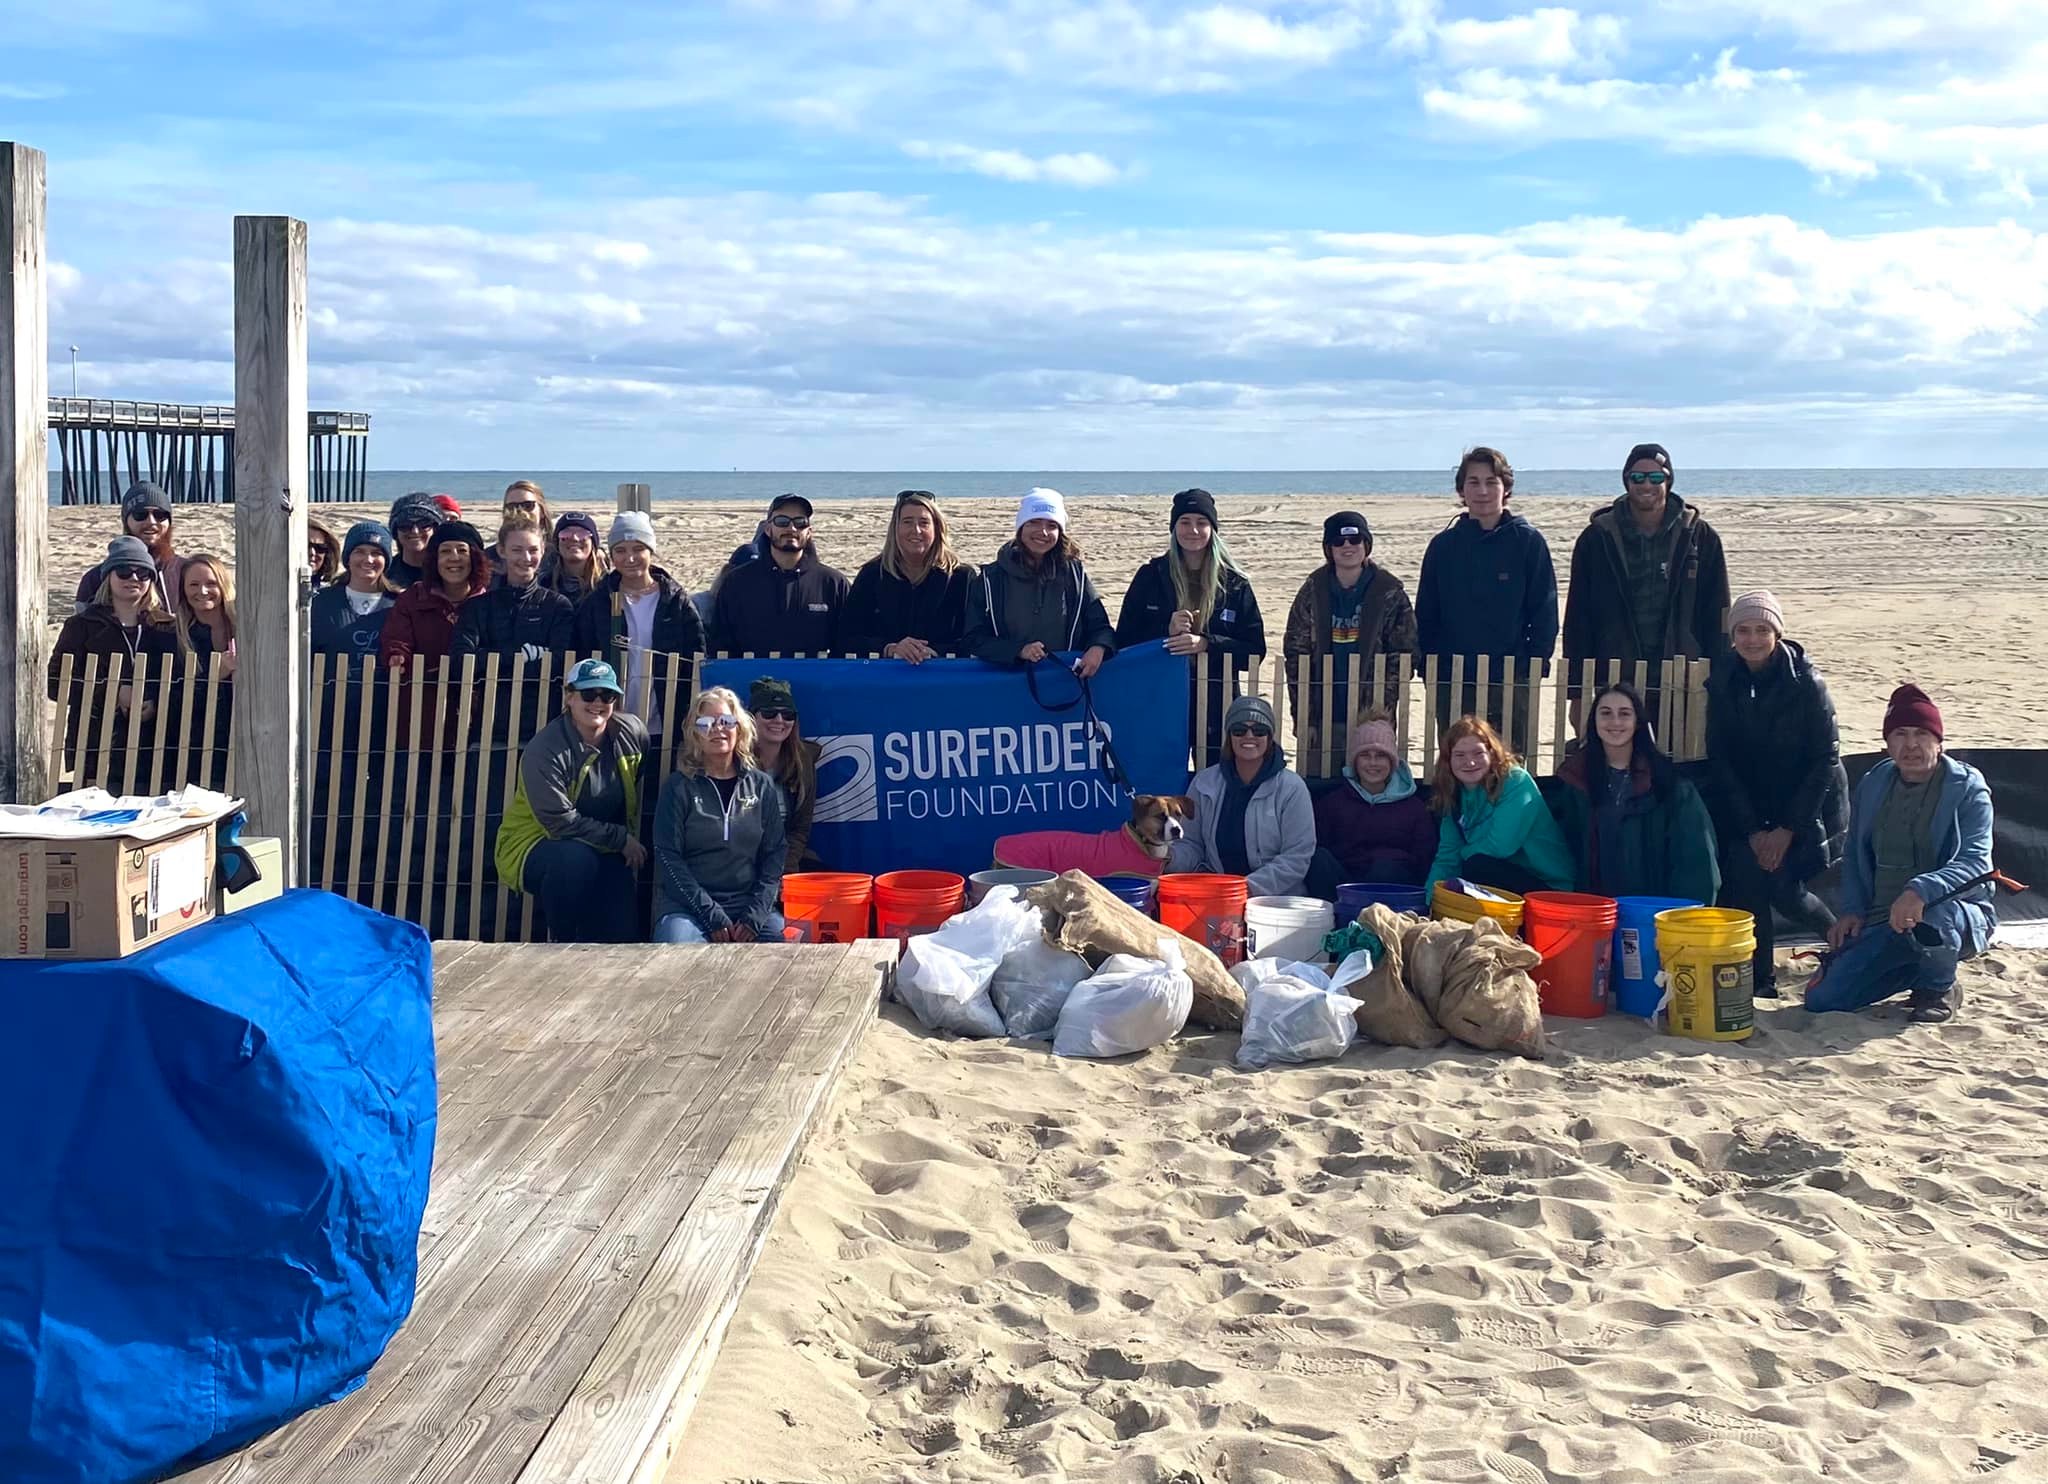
x,y
638,497
24,475
270,526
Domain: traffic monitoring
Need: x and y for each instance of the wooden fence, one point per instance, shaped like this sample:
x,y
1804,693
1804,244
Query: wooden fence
x,y
409,771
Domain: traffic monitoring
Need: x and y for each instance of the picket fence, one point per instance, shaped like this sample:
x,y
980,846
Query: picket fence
x,y
409,770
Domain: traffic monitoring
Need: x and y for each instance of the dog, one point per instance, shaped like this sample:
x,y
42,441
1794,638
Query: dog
x,y
1140,848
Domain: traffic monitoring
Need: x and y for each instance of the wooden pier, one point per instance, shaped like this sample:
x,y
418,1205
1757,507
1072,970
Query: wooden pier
x,y
617,1125
105,445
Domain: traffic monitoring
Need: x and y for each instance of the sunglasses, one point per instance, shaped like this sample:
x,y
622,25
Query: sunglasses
x,y
600,697
413,525
790,522
1649,476
775,713
1349,538
151,514
721,723
527,505
135,574
1251,729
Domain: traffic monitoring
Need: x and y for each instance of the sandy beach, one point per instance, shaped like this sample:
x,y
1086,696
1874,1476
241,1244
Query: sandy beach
x,y
1941,592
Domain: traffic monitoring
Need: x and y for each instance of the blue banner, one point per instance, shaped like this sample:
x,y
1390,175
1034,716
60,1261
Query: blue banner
x,y
927,766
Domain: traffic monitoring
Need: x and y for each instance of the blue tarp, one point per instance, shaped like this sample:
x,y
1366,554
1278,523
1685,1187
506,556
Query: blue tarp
x,y
213,1170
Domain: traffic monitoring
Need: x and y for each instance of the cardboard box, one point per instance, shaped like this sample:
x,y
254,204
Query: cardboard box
x,y
267,852
104,898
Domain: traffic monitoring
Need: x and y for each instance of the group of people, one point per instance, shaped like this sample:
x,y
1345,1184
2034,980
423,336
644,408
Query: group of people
x,y
1649,582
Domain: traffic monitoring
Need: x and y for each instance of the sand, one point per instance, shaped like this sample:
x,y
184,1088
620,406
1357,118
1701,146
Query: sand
x,y
1819,1255
1942,592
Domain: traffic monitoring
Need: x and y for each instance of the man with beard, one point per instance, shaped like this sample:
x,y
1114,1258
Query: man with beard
x,y
788,604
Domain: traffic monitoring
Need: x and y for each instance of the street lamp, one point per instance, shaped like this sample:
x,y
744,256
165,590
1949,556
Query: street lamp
x,y
74,371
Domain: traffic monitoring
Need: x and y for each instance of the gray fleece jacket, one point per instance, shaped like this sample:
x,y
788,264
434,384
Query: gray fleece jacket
x,y
719,864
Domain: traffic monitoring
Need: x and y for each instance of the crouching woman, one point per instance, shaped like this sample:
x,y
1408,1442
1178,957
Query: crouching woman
x,y
1253,815
571,838
718,834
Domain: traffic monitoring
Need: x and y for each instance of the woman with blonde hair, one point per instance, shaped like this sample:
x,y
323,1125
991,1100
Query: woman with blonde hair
x,y
1495,829
323,555
575,562
909,603
123,625
205,612
718,833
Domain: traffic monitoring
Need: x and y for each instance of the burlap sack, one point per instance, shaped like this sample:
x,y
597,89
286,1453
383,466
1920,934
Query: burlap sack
x,y
1474,979
1080,914
1388,1011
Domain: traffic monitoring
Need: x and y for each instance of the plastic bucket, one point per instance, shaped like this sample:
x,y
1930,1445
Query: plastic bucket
x,y
826,906
908,903
1136,890
1209,909
1353,897
1709,971
1457,907
1288,928
1635,952
1575,935
982,882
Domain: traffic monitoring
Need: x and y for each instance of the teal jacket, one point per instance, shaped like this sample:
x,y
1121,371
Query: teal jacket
x,y
1660,840
1515,827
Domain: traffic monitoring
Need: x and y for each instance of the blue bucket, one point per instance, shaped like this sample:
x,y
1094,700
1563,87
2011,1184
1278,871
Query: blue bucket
x,y
1353,897
1137,890
1635,952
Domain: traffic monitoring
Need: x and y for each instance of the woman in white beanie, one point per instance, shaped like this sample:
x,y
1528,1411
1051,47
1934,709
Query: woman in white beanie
x,y
1775,782
1036,598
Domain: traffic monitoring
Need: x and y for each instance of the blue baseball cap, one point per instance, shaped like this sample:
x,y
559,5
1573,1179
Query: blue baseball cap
x,y
594,675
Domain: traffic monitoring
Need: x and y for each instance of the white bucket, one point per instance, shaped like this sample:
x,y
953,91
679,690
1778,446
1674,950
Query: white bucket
x,y
1288,928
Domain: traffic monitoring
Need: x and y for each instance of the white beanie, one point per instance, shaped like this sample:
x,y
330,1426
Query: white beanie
x,y
1043,504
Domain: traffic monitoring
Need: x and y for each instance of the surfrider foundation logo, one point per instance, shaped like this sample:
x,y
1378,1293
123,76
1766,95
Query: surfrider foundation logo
x,y
846,779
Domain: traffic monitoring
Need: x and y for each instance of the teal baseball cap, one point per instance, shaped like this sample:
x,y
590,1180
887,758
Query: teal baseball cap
x,y
594,675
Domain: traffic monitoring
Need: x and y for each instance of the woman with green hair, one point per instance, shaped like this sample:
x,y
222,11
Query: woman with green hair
x,y
1194,597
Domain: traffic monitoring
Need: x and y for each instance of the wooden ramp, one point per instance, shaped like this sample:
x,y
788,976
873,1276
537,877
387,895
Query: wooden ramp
x,y
616,1128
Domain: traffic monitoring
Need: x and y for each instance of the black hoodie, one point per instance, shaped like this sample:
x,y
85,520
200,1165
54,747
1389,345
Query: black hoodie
x,y
881,609
504,619
1235,628
763,609
1487,592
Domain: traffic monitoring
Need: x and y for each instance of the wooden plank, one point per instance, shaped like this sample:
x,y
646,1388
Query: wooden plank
x,y
24,473
1560,722
323,781
1406,668
270,525
416,756
487,732
148,672
106,686
57,772
516,733
547,685
456,800
1432,676
1200,739
358,809
628,1411
387,823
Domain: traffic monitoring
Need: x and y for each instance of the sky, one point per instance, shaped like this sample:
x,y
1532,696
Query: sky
x,y
900,234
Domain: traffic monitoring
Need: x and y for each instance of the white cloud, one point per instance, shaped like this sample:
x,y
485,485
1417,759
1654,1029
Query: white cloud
x,y
1552,38
1082,169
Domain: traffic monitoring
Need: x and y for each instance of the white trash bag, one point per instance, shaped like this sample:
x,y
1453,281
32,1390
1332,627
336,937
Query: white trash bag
x,y
1295,1020
944,976
1129,1004
1032,985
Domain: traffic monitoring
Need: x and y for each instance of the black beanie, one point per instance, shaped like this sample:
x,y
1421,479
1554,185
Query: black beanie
x,y
1334,527
454,530
1650,451
1195,502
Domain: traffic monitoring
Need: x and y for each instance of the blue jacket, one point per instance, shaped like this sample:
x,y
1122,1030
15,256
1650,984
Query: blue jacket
x,y
1487,592
1962,842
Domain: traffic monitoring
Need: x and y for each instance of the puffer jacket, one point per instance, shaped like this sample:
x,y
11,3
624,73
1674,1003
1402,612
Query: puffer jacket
x,y
1774,757
506,619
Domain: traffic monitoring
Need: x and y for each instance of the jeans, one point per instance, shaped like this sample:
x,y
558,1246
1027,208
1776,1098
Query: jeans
x,y
1747,887
680,927
1878,963
586,894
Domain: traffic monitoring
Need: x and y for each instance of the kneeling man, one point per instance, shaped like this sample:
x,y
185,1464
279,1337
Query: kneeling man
x,y
1920,826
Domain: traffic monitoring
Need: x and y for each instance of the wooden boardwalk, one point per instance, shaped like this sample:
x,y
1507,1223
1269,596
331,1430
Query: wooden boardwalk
x,y
616,1128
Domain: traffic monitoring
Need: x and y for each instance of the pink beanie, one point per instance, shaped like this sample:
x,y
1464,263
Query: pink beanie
x,y
1373,736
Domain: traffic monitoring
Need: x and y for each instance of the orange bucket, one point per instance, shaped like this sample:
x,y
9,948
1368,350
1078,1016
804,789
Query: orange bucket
x,y
826,906
911,902
1575,935
1208,909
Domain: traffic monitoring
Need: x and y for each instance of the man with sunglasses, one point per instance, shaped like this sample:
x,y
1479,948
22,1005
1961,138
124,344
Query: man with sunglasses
x,y
788,604
414,519
145,515
1349,606
1649,580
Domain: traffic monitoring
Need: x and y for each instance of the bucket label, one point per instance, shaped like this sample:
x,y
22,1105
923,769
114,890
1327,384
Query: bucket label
x,y
1225,937
1631,953
1734,997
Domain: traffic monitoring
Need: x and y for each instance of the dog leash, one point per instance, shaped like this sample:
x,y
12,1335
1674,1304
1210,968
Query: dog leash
x,y
1097,732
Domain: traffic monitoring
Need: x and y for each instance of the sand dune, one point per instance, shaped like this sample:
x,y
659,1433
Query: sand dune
x,y
1820,1255
1942,592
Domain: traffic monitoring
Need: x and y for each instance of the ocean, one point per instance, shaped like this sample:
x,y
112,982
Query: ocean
x,y
569,488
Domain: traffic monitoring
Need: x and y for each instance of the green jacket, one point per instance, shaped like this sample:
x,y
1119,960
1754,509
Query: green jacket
x,y
553,769
1515,827
1664,834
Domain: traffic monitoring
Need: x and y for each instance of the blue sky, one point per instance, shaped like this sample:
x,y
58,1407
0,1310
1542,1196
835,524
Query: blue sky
x,y
1075,233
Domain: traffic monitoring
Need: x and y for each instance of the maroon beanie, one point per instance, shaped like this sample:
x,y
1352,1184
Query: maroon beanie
x,y
1910,707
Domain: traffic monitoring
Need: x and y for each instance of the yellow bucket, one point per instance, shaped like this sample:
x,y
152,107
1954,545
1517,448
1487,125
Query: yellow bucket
x,y
1457,907
1708,956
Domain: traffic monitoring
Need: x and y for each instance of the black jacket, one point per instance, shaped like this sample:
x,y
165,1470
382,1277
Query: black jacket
x,y
881,609
995,635
502,620
1235,627
601,620
1773,754
336,629
762,609
1487,592
1599,613
400,573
